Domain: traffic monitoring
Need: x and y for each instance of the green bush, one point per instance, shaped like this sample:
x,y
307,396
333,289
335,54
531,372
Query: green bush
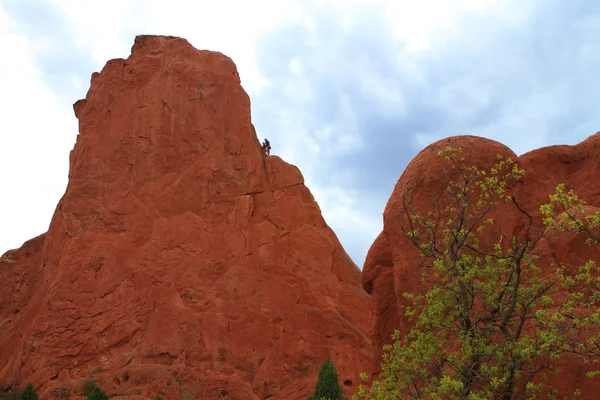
x,y
29,393
87,387
9,394
328,386
97,394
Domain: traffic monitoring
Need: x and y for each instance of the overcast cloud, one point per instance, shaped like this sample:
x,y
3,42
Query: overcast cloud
x,y
349,91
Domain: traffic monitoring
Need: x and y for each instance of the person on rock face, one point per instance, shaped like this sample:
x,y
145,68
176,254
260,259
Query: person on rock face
x,y
266,147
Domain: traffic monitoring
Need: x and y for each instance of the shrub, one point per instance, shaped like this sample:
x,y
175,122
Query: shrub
x,y
29,393
97,394
328,386
10,393
87,387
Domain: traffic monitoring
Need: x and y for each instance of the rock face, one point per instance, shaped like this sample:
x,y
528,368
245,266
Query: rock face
x,y
181,261
391,264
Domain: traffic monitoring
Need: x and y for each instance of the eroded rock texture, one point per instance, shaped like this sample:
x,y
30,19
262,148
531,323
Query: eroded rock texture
x,y
181,261
391,267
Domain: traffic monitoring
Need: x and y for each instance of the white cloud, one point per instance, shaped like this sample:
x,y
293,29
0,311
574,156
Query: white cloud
x,y
344,48
416,22
341,210
228,26
36,135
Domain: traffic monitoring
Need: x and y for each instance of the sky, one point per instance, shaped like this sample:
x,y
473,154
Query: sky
x,y
348,90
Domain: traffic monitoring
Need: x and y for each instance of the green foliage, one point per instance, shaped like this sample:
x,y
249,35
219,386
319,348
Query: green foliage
x,y
97,394
29,393
488,323
88,387
328,386
10,393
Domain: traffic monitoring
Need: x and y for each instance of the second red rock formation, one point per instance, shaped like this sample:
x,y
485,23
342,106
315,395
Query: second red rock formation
x,y
391,265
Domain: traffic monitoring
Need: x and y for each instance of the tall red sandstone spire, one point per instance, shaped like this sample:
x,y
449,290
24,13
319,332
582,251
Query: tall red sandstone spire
x,y
181,261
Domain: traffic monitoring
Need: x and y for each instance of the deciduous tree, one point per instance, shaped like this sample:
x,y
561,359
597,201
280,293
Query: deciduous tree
x,y
489,325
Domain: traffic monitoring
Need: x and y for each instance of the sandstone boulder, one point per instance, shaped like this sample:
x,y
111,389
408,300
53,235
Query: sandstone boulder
x,y
391,266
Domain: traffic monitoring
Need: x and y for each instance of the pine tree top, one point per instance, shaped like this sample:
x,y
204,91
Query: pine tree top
x,y
328,386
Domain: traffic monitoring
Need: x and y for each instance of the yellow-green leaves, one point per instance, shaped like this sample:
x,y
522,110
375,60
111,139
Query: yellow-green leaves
x,y
489,314
564,212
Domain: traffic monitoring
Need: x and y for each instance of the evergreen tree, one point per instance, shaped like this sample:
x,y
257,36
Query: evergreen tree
x,y
29,393
328,386
97,394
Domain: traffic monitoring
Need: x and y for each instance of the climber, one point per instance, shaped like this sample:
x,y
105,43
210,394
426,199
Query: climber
x,y
266,147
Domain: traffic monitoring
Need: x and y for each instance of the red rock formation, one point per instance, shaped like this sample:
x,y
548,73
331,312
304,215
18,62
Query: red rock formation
x,y
391,265
181,261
